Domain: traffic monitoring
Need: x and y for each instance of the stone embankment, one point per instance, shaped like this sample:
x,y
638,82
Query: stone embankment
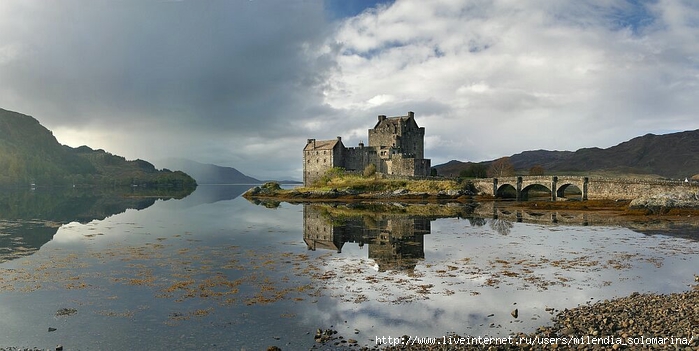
x,y
660,202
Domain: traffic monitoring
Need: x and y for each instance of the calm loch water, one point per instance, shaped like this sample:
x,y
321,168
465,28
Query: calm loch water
x,y
93,272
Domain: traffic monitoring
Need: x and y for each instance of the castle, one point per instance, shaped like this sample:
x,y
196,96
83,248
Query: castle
x,y
396,147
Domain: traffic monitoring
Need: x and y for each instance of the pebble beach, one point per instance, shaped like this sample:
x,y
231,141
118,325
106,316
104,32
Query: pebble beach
x,y
638,321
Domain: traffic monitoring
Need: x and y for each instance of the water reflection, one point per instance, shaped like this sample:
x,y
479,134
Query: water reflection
x,y
30,219
501,226
503,215
465,268
394,242
212,272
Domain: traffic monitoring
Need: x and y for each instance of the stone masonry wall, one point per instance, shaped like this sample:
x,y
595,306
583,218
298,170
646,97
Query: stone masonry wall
x,y
408,166
628,189
357,158
600,188
412,142
317,162
396,146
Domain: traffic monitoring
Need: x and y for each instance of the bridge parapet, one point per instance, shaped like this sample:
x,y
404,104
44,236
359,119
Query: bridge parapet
x,y
631,188
640,181
555,184
591,187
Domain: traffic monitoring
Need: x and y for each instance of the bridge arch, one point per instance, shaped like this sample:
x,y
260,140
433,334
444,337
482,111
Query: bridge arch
x,y
569,191
506,191
593,188
535,189
523,186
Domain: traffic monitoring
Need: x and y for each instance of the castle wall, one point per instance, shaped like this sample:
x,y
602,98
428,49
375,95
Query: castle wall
x,y
358,158
382,137
318,160
412,142
401,133
396,146
408,166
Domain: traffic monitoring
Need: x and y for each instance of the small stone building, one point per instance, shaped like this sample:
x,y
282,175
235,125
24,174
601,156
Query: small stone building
x,y
396,147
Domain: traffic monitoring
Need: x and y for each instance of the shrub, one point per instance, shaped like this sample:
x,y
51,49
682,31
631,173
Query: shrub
x,y
271,186
369,170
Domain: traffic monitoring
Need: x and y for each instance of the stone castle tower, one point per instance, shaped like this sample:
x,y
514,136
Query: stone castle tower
x,y
396,147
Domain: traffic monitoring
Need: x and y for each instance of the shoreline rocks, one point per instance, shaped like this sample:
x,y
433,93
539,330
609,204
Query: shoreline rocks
x,y
274,191
637,321
660,202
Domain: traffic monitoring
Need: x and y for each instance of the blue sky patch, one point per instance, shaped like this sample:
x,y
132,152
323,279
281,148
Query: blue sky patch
x,y
339,9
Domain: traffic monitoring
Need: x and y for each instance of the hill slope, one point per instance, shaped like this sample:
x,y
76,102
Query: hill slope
x,y
29,153
673,155
209,173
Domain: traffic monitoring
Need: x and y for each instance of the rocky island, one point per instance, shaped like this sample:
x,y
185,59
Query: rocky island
x,y
357,188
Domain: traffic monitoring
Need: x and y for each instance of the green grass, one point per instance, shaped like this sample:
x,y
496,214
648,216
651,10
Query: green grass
x,y
374,183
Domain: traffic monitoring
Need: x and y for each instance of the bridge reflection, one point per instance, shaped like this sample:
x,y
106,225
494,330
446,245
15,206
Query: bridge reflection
x,y
394,234
533,216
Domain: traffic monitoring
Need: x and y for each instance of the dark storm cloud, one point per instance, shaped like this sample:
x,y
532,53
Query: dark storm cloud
x,y
236,66
244,83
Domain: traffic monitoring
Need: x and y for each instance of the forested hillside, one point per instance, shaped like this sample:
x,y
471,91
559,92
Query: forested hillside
x,y
30,154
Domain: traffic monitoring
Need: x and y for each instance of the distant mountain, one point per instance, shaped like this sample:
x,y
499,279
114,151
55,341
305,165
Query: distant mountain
x,y
209,173
285,181
30,154
673,155
452,168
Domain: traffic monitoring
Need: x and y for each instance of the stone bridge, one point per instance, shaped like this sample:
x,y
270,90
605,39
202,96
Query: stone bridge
x,y
586,187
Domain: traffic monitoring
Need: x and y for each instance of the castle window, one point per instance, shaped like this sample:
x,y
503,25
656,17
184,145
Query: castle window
x,y
325,160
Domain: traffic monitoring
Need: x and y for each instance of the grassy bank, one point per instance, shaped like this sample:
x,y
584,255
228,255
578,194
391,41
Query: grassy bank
x,y
359,183
343,186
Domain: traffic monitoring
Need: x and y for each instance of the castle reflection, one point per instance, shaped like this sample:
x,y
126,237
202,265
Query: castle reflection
x,y
394,241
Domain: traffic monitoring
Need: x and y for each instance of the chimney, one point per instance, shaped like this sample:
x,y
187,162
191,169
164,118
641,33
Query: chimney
x,y
382,117
411,114
311,141
339,138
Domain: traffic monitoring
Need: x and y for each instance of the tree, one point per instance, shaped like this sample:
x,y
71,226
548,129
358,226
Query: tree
x,y
475,170
501,168
536,170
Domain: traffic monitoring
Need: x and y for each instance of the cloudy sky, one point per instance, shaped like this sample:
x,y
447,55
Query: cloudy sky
x,y
244,83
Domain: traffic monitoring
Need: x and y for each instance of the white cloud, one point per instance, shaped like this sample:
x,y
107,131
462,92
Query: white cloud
x,y
379,100
241,82
520,75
